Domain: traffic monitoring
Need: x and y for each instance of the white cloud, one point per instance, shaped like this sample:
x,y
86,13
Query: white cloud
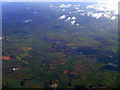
x,y
65,6
26,21
110,8
82,14
107,15
68,19
110,16
90,6
97,15
89,13
80,10
63,10
98,7
62,17
111,5
94,15
73,18
113,18
76,8
72,22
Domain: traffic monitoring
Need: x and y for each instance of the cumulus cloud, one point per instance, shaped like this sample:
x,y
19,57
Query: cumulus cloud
x,y
89,13
68,19
113,18
65,6
97,15
80,10
98,7
62,17
109,9
96,10
82,14
26,21
63,10
111,5
72,22
73,18
107,15
110,16
76,8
